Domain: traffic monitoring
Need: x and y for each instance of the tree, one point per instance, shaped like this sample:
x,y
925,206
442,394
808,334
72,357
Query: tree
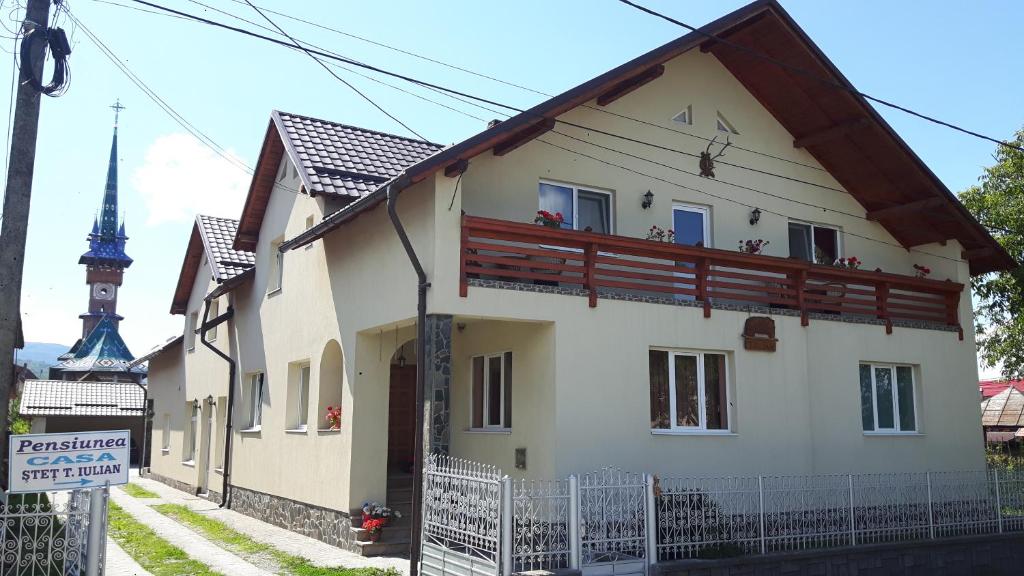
x,y
998,203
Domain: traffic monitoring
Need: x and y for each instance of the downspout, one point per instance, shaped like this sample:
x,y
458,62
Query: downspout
x,y
421,360
225,498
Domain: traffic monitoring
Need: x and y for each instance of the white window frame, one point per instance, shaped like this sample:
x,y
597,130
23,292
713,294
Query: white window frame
x,y
839,237
275,281
701,427
501,426
576,201
696,208
301,406
189,454
190,331
211,334
255,383
165,440
897,429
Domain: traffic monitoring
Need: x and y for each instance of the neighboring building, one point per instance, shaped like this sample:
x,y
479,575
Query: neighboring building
x,y
96,385
989,388
21,374
558,350
1002,415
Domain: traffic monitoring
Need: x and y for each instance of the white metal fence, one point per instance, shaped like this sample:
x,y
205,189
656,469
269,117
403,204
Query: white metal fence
x,y
53,533
614,522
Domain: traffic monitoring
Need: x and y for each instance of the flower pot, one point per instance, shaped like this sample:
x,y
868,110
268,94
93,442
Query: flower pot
x,y
375,536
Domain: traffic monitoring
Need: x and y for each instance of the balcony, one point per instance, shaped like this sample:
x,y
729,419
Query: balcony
x,y
520,256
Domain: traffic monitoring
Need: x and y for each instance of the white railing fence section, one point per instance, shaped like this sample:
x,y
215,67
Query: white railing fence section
x,y
53,533
630,521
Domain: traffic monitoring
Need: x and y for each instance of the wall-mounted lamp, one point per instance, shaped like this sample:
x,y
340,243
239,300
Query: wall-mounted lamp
x,y
648,200
195,403
209,400
755,216
401,356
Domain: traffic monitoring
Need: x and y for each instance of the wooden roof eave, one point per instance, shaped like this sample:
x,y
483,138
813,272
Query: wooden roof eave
x,y
260,187
189,269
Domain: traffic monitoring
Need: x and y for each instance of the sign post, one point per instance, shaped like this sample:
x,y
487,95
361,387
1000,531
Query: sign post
x,y
68,461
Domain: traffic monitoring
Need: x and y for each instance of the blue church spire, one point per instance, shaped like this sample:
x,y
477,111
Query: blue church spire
x,y
107,240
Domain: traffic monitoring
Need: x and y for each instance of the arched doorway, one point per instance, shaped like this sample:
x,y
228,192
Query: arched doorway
x,y
402,410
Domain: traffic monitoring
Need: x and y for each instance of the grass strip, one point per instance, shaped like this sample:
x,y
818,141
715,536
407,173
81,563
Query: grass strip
x,y
138,491
242,545
152,552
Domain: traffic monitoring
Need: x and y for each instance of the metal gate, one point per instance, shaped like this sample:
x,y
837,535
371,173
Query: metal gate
x,y
53,533
615,516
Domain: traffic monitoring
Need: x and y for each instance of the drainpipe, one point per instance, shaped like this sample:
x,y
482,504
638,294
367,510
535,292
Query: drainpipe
x,y
421,361
225,499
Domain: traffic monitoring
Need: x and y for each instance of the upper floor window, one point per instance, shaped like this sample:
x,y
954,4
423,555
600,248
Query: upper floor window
x,y
887,398
211,334
298,397
492,391
190,331
689,391
581,208
275,265
814,243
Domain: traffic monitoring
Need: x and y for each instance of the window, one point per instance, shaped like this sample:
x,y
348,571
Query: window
x,y
190,330
814,243
684,117
211,334
189,452
582,209
222,405
298,397
723,125
276,265
689,391
887,398
492,391
165,440
254,395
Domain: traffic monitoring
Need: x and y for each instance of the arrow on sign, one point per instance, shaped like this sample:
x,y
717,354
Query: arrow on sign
x,y
81,482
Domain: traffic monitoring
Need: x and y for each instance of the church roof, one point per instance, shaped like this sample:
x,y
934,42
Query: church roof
x,y
67,398
336,160
102,350
107,239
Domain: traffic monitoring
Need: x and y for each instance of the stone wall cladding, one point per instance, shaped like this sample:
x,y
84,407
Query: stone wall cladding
x,y
326,525
988,555
212,495
607,294
438,382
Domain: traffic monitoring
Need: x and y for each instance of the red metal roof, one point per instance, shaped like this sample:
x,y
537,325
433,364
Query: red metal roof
x,y
990,388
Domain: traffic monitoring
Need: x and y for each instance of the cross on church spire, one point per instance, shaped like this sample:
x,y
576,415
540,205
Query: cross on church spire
x,y
116,107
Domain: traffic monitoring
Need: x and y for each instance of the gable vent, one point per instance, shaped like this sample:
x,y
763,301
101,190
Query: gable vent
x,y
684,117
724,125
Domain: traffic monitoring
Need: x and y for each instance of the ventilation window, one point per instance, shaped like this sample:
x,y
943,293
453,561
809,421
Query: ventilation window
x,y
684,117
725,126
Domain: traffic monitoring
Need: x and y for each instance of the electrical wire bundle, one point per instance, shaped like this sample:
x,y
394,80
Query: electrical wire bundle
x,y
60,49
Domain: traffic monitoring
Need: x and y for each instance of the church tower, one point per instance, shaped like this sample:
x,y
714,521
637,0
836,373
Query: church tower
x,y
105,261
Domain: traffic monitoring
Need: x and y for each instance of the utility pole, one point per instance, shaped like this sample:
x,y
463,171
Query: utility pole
x,y
16,204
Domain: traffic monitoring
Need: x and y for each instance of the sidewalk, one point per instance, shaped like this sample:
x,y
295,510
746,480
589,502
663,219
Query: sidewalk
x,y
119,563
318,553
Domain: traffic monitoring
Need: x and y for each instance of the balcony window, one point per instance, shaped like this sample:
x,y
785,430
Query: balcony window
x,y
581,208
814,243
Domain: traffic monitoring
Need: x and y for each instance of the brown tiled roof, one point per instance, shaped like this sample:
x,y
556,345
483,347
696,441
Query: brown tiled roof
x,y
69,398
218,234
343,160
1003,409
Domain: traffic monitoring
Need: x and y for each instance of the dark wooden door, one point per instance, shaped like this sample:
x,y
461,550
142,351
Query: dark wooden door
x,y
401,417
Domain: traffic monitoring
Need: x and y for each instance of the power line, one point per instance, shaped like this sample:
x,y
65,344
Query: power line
x,y
336,77
815,76
614,150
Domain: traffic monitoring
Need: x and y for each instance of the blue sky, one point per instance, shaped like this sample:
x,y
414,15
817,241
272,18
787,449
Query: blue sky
x,y
954,63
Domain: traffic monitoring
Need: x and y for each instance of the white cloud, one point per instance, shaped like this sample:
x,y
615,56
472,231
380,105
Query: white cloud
x,y
181,177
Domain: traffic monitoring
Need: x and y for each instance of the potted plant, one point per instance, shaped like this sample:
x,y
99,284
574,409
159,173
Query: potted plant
x,y
374,527
659,234
851,263
334,417
753,246
545,218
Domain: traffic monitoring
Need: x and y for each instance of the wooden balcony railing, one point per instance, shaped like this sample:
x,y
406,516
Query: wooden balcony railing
x,y
606,264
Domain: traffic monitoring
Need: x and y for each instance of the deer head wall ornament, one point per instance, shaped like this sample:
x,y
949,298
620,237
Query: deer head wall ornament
x,y
707,161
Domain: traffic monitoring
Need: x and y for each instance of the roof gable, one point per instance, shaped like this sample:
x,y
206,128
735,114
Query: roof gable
x,y
332,159
212,236
103,350
828,119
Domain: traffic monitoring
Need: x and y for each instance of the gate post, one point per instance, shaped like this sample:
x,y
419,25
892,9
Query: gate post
x,y
931,518
853,517
999,503
96,538
506,526
574,522
760,509
651,525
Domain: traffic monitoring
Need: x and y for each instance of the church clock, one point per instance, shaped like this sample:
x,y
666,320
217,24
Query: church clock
x,y
103,291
